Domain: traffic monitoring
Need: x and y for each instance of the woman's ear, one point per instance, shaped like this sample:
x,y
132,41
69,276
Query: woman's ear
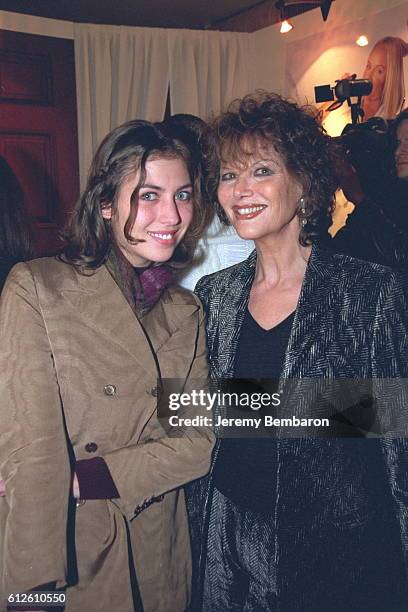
x,y
107,212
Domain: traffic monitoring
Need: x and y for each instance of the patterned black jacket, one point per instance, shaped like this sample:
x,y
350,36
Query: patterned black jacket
x,y
341,504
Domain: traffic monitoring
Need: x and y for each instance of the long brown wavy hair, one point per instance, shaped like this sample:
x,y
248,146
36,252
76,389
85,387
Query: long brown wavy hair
x,y
123,152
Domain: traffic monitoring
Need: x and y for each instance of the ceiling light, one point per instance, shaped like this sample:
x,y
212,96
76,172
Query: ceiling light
x,y
362,41
290,8
285,27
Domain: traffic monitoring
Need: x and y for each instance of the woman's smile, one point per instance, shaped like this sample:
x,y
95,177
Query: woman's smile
x,y
167,238
243,213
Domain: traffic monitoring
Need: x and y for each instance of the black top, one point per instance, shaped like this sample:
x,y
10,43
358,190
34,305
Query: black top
x,y
377,230
261,352
245,470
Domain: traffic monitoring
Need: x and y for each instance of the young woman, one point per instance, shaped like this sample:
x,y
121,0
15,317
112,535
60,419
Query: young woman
x,y
86,341
313,519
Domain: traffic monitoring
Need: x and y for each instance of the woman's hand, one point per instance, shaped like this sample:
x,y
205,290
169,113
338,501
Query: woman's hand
x,y
2,488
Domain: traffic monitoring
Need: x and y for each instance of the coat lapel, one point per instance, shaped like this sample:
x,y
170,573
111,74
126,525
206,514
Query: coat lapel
x,y
231,315
97,299
314,302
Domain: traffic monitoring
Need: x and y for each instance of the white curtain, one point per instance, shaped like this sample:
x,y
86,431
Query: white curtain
x,y
207,71
122,73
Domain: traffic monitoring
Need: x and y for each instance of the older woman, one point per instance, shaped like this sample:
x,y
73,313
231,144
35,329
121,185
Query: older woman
x,y
87,340
304,524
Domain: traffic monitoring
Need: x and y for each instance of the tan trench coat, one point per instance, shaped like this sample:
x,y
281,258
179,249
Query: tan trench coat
x,y
65,338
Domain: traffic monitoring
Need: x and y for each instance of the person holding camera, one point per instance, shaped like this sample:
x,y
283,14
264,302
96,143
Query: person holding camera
x,y
373,174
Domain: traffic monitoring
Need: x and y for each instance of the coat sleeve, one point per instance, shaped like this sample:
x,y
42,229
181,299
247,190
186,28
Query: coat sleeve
x,y
144,472
34,458
390,372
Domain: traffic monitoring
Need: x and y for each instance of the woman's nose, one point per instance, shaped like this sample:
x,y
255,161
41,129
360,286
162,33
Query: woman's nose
x,y
169,213
242,187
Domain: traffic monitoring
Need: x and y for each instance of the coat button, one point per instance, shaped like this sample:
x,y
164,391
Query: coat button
x,y
109,390
91,447
155,391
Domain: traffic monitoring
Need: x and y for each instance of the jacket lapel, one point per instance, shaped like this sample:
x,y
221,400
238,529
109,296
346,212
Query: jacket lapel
x,y
314,302
231,316
168,315
97,299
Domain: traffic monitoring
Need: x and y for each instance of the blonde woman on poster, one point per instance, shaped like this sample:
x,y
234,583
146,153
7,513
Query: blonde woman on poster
x,y
384,69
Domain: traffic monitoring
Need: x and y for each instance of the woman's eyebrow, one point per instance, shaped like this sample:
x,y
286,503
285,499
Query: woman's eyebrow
x,y
151,187
158,188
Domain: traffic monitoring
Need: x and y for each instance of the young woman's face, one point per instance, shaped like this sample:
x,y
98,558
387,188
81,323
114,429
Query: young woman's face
x,y
164,211
376,71
260,197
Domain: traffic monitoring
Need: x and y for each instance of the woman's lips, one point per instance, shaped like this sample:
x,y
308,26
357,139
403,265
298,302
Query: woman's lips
x,y
248,212
166,237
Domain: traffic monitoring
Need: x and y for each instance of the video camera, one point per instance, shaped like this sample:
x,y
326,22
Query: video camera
x,y
345,89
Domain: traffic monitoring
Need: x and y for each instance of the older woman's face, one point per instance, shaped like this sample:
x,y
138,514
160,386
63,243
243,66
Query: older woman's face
x,y
376,71
259,196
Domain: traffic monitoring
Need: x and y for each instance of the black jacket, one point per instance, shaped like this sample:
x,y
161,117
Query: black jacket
x,y
341,504
377,229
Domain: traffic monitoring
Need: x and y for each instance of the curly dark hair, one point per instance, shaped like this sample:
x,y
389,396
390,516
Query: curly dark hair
x,y
124,151
263,119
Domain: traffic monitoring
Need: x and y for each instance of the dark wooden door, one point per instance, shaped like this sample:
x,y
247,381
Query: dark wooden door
x,y
38,128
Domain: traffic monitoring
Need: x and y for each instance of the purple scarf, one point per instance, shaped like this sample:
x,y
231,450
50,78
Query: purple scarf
x,y
142,287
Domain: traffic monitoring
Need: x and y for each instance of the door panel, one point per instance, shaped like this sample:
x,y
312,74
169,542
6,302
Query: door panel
x,y
38,128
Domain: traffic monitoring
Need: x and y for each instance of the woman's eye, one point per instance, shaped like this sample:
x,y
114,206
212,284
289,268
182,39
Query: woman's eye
x,y
148,196
263,171
184,196
227,176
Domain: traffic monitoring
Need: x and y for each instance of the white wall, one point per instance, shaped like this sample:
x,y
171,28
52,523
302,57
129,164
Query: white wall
x,y
269,45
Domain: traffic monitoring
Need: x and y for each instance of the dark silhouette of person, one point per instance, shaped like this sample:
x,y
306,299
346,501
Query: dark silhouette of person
x,y
16,240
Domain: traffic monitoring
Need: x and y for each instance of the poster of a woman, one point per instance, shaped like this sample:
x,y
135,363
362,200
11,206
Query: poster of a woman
x,y
322,58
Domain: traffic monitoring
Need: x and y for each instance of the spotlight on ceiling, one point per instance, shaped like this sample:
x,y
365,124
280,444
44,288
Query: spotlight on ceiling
x,y
290,8
285,27
362,41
